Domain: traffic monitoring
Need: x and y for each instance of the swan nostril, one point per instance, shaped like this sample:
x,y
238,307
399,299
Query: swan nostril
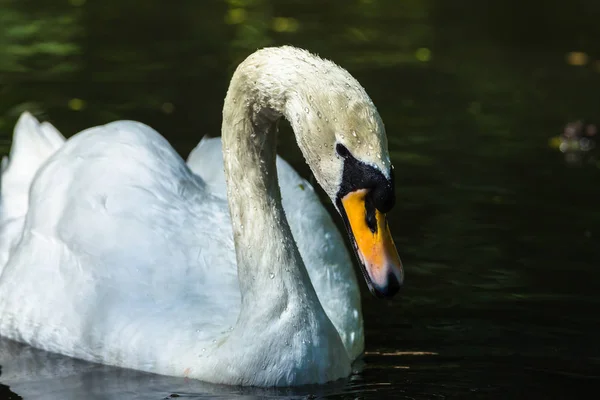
x,y
371,215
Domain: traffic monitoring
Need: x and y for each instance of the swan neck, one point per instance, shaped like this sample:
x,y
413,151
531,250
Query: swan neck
x,y
270,268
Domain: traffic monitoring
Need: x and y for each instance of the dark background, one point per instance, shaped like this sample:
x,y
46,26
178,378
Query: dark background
x,y
497,219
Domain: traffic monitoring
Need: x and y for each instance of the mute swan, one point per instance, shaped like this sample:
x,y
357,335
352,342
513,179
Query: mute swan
x,y
123,256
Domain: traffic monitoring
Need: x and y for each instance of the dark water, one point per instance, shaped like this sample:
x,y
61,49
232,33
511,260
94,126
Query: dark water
x,y
498,228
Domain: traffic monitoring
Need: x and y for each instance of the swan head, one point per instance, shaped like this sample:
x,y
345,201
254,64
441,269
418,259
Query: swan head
x,y
343,140
341,136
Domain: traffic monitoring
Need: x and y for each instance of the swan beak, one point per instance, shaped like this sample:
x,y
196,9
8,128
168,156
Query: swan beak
x,y
373,244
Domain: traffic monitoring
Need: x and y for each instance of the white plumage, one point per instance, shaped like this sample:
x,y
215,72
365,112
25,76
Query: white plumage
x,y
114,250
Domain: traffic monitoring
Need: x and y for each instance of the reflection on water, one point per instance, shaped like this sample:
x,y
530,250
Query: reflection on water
x,y
40,375
499,239
578,142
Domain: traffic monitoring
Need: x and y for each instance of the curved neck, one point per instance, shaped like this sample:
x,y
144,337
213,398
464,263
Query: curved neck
x,y
270,269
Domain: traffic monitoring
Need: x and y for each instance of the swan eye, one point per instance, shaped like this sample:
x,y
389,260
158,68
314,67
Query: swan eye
x,y
342,150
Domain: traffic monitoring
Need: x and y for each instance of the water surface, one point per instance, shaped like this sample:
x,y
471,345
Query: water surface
x,y
497,227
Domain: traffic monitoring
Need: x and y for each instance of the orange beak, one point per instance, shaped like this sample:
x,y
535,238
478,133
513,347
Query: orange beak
x,y
373,244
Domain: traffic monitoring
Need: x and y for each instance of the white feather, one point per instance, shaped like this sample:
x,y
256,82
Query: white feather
x,y
114,251
127,257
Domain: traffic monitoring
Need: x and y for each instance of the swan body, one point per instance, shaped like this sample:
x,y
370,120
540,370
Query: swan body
x,y
116,251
